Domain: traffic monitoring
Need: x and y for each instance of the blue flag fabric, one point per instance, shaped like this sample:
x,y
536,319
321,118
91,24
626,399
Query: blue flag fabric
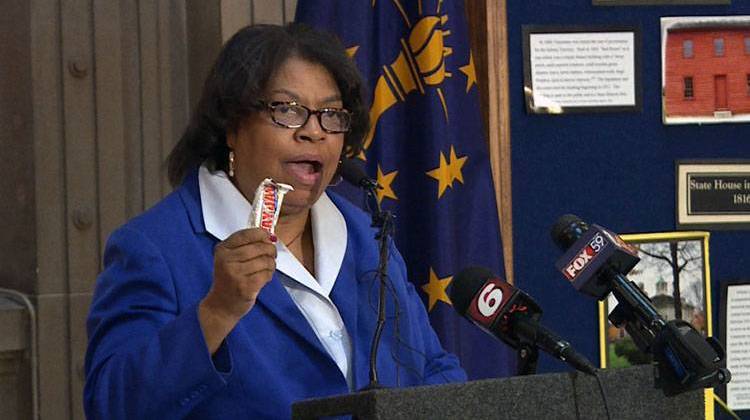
x,y
427,149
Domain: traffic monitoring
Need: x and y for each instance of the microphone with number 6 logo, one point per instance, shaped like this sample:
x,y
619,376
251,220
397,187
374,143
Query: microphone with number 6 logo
x,y
509,314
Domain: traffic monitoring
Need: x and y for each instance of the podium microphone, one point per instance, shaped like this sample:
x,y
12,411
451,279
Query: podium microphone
x,y
510,315
353,173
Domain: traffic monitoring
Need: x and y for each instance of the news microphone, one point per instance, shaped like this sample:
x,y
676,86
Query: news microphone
x,y
595,262
596,248
509,314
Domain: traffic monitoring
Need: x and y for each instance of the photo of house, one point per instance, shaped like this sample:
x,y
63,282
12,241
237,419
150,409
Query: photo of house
x,y
705,69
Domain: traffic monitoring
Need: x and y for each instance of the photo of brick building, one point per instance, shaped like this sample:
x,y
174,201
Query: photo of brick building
x,y
706,69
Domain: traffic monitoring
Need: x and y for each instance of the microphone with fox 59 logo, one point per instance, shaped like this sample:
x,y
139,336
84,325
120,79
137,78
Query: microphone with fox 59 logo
x,y
509,314
589,250
596,261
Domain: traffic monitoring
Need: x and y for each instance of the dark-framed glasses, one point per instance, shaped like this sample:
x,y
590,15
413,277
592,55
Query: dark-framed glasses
x,y
290,114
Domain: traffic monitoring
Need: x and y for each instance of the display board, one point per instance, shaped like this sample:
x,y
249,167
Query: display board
x,y
616,169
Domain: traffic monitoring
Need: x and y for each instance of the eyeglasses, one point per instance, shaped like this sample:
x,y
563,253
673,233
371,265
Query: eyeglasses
x,y
293,115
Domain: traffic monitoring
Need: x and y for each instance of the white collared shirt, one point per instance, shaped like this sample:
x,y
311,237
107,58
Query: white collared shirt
x,y
226,210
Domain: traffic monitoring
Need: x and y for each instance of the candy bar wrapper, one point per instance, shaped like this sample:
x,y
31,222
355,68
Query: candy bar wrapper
x,y
267,204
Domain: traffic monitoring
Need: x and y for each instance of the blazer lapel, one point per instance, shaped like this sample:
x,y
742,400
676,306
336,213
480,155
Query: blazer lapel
x,y
276,299
345,295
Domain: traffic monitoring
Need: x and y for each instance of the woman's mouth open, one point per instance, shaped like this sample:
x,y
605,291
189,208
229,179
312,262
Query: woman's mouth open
x,y
305,171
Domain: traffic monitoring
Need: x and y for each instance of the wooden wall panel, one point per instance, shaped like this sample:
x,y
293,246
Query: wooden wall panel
x,y
109,95
81,160
78,304
110,125
173,88
151,159
166,81
268,11
51,222
130,85
49,147
290,7
54,357
235,14
203,43
17,262
80,145
110,99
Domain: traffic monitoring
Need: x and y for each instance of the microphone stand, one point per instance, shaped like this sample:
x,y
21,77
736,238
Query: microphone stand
x,y
383,220
527,354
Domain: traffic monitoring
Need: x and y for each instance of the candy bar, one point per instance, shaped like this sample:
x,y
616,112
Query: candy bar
x,y
267,204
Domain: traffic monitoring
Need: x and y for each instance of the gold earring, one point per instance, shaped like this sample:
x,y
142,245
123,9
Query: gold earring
x,y
337,178
231,163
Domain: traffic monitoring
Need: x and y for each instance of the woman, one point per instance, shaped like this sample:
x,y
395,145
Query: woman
x,y
195,315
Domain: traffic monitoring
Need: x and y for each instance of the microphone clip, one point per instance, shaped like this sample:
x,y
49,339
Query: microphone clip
x,y
686,360
370,184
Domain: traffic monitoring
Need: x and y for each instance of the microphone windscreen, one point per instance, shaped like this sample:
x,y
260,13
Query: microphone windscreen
x,y
465,286
567,230
353,172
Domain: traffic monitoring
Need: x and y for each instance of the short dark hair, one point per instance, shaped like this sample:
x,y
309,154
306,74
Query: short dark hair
x,y
237,82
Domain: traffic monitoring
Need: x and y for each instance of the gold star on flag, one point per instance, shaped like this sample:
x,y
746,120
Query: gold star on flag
x,y
435,289
442,174
470,72
455,164
448,171
385,180
351,51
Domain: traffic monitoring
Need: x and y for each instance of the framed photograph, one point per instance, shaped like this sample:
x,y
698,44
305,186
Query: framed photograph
x,y
735,336
657,2
674,274
581,69
704,69
713,194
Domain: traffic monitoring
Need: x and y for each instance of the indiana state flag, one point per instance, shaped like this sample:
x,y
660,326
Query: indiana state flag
x,y
427,149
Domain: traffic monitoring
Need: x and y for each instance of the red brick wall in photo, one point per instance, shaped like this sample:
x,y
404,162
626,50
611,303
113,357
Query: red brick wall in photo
x,y
707,70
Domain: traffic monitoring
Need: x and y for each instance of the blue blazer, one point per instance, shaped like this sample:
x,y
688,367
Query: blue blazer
x,y
147,357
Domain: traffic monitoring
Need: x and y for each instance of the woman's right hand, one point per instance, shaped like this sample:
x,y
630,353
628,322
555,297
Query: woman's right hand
x,y
243,264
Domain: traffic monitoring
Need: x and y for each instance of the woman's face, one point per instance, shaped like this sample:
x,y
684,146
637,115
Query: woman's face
x,y
305,157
